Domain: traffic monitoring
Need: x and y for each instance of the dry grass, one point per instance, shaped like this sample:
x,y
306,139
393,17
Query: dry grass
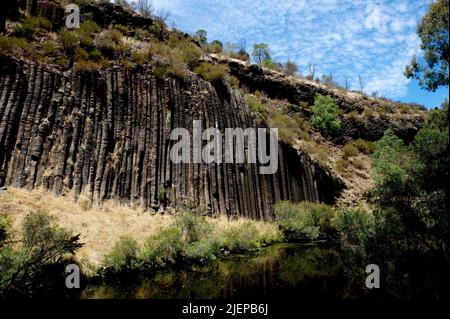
x,y
100,228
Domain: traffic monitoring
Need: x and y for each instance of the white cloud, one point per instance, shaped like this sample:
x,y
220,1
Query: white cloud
x,y
374,38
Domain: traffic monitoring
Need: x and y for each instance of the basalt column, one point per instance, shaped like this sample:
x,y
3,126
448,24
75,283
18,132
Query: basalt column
x,y
106,134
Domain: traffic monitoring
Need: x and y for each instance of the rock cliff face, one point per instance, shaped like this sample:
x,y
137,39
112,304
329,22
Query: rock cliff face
x,y
106,134
278,86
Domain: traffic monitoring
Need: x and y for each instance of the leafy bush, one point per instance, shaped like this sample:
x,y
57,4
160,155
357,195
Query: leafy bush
x,y
9,44
290,128
211,72
234,82
355,228
29,25
109,42
324,115
49,47
242,237
69,40
296,220
256,106
42,245
163,247
123,256
86,33
177,70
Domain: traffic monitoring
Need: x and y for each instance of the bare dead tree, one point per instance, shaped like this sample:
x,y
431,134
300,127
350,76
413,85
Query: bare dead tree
x,y
145,8
163,15
361,83
312,71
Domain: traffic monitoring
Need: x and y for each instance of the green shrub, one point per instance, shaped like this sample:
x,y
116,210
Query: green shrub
x,y
206,249
290,128
355,227
69,40
177,70
138,57
109,42
242,237
325,115
9,44
215,47
29,25
296,221
123,256
189,53
211,72
163,247
350,150
256,106
86,33
49,47
42,245
193,227
122,28
95,55
342,165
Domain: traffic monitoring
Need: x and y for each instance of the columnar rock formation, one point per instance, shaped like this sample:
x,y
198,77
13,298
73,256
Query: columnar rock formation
x,y
106,134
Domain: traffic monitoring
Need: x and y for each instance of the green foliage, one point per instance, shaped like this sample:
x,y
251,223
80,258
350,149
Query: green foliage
x,y
214,47
124,256
432,69
273,65
29,26
86,33
408,231
325,115
49,47
256,106
211,72
261,53
241,237
109,42
290,127
356,228
202,36
69,40
42,245
163,247
305,221
9,44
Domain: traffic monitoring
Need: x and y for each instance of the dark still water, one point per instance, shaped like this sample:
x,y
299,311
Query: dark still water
x,y
279,271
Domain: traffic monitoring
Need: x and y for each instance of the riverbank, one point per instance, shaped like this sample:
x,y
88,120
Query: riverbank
x,y
107,231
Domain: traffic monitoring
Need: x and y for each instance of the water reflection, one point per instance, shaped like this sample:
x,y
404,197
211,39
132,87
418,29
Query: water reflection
x,y
279,271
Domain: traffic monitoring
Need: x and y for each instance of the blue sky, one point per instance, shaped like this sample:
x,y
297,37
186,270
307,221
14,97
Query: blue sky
x,y
343,37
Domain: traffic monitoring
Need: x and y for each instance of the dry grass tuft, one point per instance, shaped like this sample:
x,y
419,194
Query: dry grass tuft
x,y
100,228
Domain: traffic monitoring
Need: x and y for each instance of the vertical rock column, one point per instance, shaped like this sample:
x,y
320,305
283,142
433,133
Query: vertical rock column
x,y
106,134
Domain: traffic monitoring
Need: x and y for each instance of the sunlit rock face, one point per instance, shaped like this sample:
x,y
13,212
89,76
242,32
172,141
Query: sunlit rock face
x,y
106,134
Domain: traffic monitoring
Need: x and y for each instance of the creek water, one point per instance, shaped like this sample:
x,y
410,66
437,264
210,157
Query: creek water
x,y
279,271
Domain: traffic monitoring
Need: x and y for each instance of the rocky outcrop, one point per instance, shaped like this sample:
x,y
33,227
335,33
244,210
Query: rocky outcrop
x,y
278,86
104,15
106,134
